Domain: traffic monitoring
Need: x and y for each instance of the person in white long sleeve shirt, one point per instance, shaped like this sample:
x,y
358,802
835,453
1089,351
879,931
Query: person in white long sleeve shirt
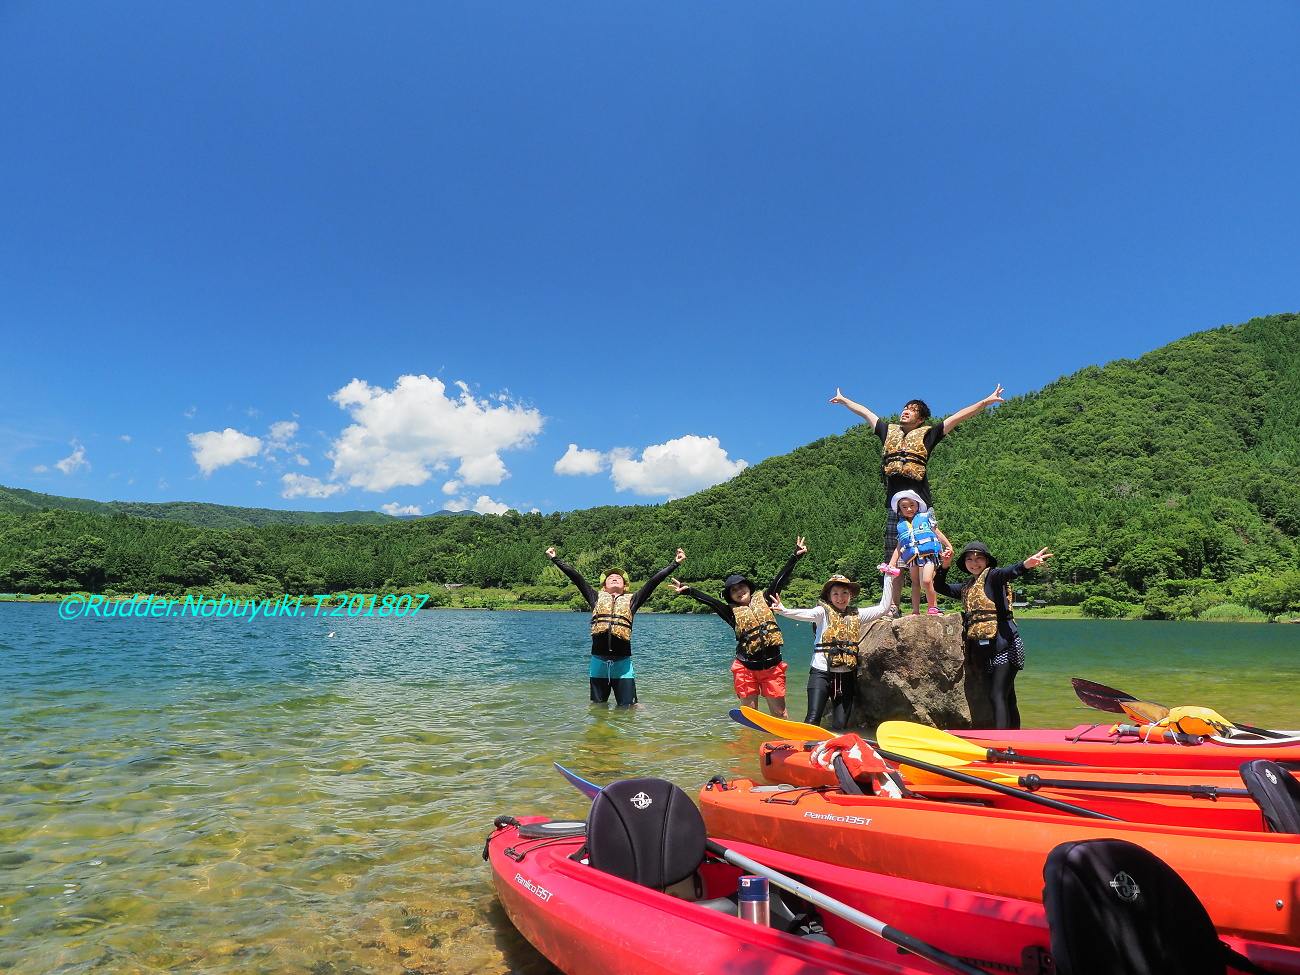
x,y
833,676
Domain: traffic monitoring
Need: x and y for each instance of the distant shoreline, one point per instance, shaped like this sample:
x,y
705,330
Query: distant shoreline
x,y
1040,613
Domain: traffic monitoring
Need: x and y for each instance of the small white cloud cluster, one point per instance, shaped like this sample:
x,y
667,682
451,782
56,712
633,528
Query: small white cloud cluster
x,y
483,505
396,510
671,469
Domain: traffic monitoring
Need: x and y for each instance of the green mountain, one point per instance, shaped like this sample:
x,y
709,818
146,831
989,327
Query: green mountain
x,y
20,501
1166,484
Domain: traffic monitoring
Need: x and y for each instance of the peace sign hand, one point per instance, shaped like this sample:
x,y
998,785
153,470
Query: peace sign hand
x,y
800,548
1037,559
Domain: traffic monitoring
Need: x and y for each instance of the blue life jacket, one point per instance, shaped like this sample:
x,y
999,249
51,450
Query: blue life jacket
x,y
917,538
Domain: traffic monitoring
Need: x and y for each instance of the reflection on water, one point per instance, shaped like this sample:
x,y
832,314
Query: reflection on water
x,y
225,796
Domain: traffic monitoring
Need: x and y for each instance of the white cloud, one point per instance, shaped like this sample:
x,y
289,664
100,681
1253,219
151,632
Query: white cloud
x,y
451,487
75,461
125,438
215,449
675,468
40,469
301,461
400,436
281,434
395,509
578,461
483,505
302,486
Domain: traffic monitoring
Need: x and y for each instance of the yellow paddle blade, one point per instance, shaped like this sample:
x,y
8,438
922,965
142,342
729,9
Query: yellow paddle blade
x,y
924,743
1144,712
1198,721
785,728
917,776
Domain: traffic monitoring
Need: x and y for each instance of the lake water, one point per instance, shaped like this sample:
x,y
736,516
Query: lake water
x,y
225,796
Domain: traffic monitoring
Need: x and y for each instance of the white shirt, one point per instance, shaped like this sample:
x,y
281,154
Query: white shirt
x,y
817,617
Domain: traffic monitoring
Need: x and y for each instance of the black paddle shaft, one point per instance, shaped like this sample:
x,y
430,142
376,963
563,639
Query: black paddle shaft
x,y
1211,792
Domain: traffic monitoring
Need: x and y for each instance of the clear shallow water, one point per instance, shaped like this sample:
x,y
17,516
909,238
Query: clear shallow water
x,y
223,796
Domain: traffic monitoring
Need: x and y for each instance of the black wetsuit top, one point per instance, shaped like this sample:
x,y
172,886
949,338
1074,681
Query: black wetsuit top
x,y
726,611
995,587
606,645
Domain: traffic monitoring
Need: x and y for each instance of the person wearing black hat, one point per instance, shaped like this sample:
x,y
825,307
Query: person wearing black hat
x,y
988,626
758,667
612,610
833,675
906,447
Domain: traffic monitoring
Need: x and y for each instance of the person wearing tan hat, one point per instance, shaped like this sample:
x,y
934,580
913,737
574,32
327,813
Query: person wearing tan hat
x,y
833,675
758,667
612,610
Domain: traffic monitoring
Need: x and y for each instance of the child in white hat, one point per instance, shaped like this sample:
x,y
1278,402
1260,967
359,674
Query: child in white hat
x,y
920,547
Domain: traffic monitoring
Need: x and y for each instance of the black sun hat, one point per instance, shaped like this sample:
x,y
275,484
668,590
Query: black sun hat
x,y
736,579
976,547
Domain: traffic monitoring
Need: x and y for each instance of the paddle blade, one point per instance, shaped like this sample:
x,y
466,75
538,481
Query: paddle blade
x,y
785,728
1099,696
588,789
928,744
1144,712
743,721
917,777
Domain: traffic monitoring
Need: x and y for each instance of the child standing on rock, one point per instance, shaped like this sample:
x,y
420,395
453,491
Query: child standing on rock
x,y
919,549
839,629
758,667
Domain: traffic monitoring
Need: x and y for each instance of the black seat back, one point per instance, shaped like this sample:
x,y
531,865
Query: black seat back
x,y
647,831
1276,791
1114,907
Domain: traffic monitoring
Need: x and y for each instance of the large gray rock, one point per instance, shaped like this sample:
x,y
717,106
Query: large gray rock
x,y
914,669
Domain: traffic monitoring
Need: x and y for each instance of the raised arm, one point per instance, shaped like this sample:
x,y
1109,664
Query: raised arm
x,y
782,577
652,583
717,605
584,587
811,615
857,408
1004,574
964,414
886,601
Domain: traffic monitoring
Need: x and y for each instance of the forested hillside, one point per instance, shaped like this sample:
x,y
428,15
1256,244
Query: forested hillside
x,y
1166,485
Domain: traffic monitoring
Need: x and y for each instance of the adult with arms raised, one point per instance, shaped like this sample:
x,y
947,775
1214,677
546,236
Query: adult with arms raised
x,y
906,449
612,610
992,637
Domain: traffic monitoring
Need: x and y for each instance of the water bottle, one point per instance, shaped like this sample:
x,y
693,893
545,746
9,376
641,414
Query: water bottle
x,y
754,904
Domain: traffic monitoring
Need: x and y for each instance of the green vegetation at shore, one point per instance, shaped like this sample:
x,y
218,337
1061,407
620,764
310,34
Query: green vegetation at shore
x,y
1167,486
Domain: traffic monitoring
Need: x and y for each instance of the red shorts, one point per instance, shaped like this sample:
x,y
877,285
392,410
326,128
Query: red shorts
x,y
752,683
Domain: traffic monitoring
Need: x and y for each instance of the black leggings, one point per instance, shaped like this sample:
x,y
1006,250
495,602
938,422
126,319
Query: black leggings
x,y
624,689
1003,695
841,689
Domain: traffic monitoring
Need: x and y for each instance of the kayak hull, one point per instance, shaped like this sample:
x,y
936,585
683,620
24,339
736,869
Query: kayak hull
x,y
1091,745
789,763
1248,882
587,922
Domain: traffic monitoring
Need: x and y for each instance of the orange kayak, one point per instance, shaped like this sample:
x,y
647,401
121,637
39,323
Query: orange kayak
x,y
789,763
1248,882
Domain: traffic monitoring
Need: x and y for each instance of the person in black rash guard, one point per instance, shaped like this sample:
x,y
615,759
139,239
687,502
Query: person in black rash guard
x,y
905,449
758,667
992,637
612,610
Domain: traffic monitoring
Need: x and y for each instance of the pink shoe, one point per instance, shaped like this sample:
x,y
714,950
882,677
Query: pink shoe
x,y
933,611
884,568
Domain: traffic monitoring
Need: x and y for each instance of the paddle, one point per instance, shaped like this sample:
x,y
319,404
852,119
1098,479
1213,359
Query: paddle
x,y
907,736
1105,698
783,727
763,721
827,903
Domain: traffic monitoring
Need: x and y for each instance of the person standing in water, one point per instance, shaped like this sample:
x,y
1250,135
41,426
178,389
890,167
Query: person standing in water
x,y
758,667
612,610
905,450
988,627
833,676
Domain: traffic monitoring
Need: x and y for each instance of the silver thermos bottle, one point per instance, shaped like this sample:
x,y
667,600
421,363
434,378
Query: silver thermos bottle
x,y
754,904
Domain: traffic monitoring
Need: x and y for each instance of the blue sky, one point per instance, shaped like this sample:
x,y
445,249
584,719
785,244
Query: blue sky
x,y
231,229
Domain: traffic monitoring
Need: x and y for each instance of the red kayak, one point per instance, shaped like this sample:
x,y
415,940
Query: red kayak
x,y
1094,745
588,921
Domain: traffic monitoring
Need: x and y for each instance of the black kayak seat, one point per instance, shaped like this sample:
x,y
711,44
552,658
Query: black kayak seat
x,y
1115,907
647,831
1277,793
